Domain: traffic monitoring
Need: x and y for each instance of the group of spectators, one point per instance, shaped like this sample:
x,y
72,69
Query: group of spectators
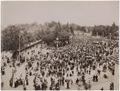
x,y
77,64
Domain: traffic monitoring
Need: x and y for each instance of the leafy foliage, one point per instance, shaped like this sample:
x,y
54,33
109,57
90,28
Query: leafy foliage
x,y
15,36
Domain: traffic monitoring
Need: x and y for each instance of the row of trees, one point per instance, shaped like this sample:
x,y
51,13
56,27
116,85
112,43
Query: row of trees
x,y
14,36
106,31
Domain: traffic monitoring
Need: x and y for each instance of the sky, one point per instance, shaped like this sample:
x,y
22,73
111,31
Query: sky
x,y
86,13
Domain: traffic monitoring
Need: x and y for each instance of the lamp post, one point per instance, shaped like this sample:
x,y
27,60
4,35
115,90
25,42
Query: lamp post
x,y
89,84
110,37
19,48
57,41
19,43
42,43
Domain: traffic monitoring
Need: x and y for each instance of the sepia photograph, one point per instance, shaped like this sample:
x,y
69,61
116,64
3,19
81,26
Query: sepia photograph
x,y
60,45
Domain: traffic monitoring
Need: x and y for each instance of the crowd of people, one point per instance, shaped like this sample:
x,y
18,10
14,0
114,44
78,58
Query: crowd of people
x,y
79,63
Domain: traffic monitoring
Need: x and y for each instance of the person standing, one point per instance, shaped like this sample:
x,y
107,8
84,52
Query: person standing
x,y
68,84
111,86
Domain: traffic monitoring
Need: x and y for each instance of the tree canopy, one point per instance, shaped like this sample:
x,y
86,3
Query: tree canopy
x,y
17,35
